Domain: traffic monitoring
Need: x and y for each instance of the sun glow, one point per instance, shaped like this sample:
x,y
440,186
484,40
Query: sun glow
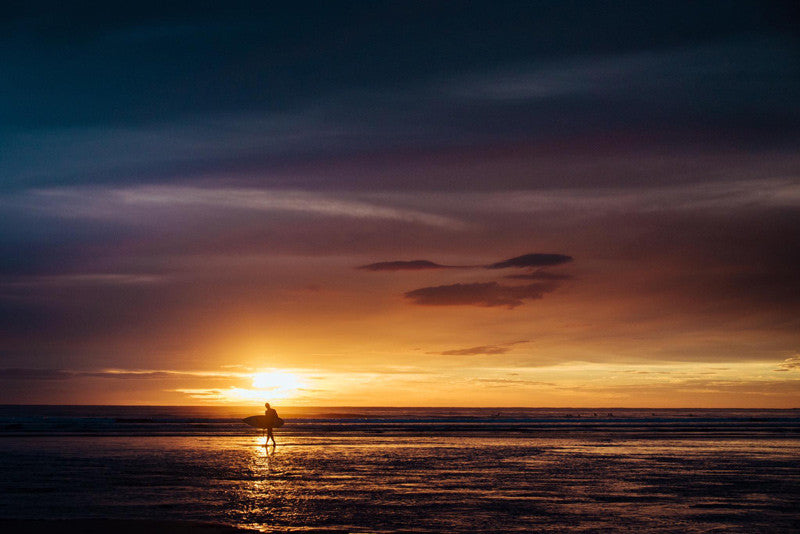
x,y
266,386
276,384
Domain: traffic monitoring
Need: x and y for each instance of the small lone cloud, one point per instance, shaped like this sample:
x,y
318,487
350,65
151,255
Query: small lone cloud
x,y
532,260
789,364
485,294
415,265
483,349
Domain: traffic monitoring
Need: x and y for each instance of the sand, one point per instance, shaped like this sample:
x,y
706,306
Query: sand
x,y
115,526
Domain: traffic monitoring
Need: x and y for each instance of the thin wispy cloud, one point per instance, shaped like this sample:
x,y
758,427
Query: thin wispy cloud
x,y
665,75
511,383
82,279
120,203
719,195
502,348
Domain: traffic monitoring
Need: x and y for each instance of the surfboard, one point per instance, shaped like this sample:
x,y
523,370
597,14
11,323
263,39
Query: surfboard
x,y
260,421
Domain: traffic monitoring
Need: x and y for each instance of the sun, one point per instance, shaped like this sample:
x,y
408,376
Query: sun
x,y
277,384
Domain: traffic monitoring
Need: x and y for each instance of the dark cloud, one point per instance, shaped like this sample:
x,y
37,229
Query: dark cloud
x,y
484,349
414,265
539,275
527,260
485,294
532,260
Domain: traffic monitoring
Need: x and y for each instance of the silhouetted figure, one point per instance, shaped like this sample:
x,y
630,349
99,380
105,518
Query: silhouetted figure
x,y
272,418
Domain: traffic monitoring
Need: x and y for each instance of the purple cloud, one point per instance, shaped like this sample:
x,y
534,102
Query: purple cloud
x,y
532,260
415,265
485,294
538,275
525,261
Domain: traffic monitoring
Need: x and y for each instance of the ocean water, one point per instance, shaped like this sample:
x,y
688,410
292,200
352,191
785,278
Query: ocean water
x,y
401,470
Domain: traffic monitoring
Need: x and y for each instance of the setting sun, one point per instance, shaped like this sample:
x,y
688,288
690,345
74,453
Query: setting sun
x,y
276,384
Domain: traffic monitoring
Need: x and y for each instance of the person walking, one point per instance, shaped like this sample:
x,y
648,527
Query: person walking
x,y
272,420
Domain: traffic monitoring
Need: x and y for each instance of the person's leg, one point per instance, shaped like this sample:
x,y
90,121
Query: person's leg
x,y
270,435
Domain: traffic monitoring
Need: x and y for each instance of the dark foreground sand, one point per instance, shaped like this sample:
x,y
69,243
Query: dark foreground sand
x,y
113,526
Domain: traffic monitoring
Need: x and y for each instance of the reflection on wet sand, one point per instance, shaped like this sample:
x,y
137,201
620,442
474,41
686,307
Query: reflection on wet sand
x,y
423,483
514,484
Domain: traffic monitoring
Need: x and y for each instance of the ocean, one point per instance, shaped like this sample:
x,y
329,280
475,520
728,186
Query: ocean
x,y
407,470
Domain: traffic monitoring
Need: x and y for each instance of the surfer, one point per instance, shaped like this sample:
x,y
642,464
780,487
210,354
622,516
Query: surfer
x,y
272,418
267,422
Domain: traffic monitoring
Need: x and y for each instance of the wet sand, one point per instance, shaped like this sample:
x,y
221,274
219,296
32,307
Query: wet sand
x,y
174,469
398,484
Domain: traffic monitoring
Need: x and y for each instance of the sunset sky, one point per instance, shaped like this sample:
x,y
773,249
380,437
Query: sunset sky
x,y
400,203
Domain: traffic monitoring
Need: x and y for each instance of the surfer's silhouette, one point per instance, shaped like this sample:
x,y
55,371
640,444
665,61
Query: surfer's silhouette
x,y
272,419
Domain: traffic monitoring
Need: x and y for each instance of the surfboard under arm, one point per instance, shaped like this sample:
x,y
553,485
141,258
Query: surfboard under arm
x,y
262,421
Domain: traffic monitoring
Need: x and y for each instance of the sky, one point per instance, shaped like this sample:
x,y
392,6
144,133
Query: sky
x,y
573,204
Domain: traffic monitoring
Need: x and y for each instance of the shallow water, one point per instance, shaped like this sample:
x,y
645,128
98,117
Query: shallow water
x,y
422,483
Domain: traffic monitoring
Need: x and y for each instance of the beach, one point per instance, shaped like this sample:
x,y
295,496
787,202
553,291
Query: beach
x,y
403,470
